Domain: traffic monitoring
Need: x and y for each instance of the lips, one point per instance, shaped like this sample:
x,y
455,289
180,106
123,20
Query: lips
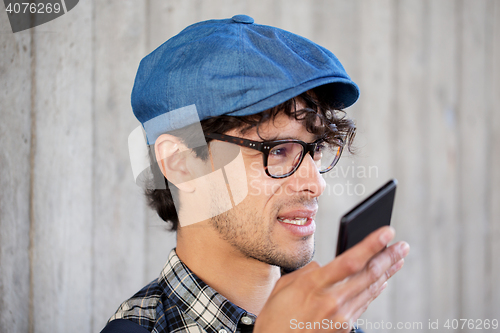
x,y
298,214
299,222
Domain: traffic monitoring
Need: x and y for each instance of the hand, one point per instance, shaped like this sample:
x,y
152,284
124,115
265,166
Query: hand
x,y
336,294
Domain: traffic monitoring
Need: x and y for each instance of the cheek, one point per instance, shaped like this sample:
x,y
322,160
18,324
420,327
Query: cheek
x,y
259,183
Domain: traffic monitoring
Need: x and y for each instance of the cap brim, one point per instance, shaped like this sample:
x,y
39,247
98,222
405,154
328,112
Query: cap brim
x,y
339,92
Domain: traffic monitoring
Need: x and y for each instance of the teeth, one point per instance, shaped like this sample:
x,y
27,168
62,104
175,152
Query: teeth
x,y
296,221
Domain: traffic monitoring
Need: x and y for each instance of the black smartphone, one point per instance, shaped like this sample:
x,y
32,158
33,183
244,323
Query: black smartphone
x,y
374,212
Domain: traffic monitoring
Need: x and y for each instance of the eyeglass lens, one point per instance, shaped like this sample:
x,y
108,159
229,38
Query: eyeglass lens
x,y
285,158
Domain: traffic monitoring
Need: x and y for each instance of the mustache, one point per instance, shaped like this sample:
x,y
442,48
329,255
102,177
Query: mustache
x,y
297,202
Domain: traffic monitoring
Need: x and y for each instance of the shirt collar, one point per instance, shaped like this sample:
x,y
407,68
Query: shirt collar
x,y
209,309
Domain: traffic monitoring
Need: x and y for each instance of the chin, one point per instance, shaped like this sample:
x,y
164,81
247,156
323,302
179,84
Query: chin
x,y
298,257
291,266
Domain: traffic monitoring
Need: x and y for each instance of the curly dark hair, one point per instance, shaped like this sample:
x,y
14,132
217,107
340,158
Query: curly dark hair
x,y
332,124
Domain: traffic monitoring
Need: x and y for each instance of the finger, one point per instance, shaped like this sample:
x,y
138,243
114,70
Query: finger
x,y
366,283
379,269
385,264
382,266
374,290
358,304
394,269
362,308
356,258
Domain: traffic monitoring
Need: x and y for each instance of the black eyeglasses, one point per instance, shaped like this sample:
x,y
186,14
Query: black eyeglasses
x,y
283,157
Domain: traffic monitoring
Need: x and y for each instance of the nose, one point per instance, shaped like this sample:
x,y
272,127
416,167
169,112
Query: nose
x,y
307,178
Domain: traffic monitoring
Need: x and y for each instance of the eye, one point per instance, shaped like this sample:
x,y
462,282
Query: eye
x,y
321,146
285,151
281,151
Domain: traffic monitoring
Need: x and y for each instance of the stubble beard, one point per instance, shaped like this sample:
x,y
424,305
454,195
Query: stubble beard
x,y
243,228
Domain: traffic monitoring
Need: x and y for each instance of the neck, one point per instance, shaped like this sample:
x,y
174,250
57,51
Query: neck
x,y
244,281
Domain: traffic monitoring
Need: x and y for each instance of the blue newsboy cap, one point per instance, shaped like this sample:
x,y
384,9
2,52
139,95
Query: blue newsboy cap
x,y
231,67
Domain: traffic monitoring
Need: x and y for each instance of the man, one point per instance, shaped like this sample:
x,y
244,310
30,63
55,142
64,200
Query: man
x,y
268,104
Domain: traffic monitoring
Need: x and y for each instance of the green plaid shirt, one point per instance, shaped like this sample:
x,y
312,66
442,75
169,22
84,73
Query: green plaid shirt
x,y
178,301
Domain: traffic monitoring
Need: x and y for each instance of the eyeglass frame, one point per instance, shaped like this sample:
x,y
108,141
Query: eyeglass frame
x,y
265,147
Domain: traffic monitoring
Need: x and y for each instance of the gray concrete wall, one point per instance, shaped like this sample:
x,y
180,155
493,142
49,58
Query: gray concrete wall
x,y
76,237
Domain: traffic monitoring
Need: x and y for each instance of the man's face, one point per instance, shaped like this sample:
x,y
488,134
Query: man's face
x,y
275,222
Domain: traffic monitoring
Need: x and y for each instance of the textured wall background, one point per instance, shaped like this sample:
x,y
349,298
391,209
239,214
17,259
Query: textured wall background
x,y
76,238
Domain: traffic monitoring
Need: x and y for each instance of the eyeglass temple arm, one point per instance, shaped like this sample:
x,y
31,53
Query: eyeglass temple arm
x,y
235,140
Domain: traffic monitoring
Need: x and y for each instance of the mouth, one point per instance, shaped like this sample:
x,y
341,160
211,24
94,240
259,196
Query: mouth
x,y
296,221
299,223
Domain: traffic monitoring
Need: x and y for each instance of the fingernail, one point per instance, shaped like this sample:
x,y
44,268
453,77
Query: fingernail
x,y
387,235
404,248
383,286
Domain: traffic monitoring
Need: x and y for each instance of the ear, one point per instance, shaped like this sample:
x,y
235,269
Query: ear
x,y
171,156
